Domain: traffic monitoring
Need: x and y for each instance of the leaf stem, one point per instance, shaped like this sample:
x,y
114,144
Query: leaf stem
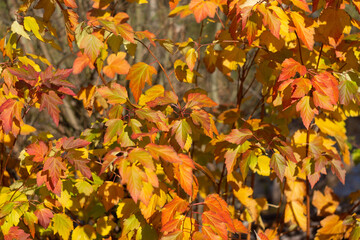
x,y
318,61
307,191
298,40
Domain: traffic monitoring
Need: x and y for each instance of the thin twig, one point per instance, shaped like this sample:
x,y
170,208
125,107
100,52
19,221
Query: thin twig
x,y
152,54
298,39
318,61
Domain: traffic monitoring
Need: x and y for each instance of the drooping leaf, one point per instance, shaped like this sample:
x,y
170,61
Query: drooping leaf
x,y
30,219
50,101
139,74
191,57
211,218
347,89
278,163
306,34
325,203
307,113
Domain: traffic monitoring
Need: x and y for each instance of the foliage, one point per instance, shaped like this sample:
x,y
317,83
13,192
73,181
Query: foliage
x,y
158,163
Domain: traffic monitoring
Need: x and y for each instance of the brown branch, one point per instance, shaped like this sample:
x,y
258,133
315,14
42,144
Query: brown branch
x,y
318,61
298,40
307,191
99,73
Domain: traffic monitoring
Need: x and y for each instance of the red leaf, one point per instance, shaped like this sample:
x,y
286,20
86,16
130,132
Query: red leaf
x,y
81,165
139,74
16,233
218,205
177,205
307,113
51,101
44,216
165,152
70,143
8,110
55,166
111,157
326,84
134,182
306,34
337,167
239,136
203,9
38,150
70,3
289,69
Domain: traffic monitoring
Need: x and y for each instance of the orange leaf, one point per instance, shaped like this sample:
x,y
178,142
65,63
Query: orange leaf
x,y
290,68
116,64
81,62
134,182
239,136
114,94
8,110
306,34
184,173
138,74
218,205
38,150
55,167
213,219
110,194
199,100
203,9
177,205
50,101
302,4
307,113
70,3
165,152
325,203
326,84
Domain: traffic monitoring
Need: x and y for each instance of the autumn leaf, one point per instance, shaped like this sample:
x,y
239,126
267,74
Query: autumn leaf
x,y
139,74
30,219
347,89
62,224
325,203
326,84
10,109
38,150
115,94
199,100
306,34
50,101
116,64
55,166
85,232
71,143
44,216
182,130
165,152
81,62
184,173
278,163
176,206
114,128
16,233
239,136
91,45
217,205
80,163
110,194
203,9
289,69
211,218
307,113
191,57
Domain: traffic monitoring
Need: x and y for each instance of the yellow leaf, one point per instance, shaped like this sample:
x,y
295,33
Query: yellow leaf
x,y
110,194
104,225
32,25
263,165
295,213
86,232
19,29
26,129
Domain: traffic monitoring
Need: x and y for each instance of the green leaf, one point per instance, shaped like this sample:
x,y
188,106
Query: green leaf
x,y
62,224
114,128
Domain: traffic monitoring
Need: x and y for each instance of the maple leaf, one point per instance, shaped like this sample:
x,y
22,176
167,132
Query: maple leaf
x,y
306,34
80,163
203,9
38,150
114,94
295,212
111,157
199,100
278,163
116,64
289,69
139,74
44,216
184,173
176,206
270,20
62,224
50,101
71,143
331,226
10,109
165,152
16,233
301,86
55,166
126,31
191,57
325,203
239,136
307,113
81,62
